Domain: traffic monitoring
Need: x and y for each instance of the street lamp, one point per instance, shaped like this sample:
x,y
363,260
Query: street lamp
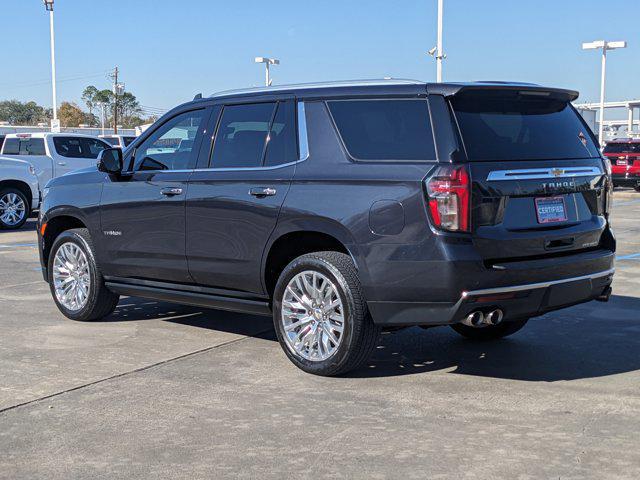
x,y
267,62
437,50
604,45
55,125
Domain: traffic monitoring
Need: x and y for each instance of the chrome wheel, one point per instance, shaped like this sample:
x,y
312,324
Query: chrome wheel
x,y
71,277
12,209
312,316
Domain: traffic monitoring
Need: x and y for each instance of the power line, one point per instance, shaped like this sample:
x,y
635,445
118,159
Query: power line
x,y
48,81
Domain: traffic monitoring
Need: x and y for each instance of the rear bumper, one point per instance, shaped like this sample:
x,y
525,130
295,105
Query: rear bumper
x,y
516,301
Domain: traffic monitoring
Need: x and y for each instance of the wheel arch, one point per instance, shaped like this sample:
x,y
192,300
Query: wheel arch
x,y
294,240
55,225
19,185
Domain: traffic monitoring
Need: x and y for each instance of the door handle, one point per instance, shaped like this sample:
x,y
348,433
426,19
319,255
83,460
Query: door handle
x,y
263,192
62,164
170,192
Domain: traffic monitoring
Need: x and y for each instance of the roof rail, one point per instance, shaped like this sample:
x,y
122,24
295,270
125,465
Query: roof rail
x,y
302,86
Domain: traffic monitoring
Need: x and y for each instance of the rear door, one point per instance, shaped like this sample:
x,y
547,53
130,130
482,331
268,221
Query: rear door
x,y
234,203
539,184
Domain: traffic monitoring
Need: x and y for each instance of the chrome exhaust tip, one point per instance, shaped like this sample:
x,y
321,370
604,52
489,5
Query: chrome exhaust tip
x,y
494,317
474,319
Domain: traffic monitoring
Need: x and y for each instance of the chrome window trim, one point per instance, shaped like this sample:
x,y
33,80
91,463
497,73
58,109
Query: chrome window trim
x,y
303,139
538,173
535,286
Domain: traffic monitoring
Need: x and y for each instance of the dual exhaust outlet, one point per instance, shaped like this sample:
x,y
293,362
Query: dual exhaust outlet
x,y
481,319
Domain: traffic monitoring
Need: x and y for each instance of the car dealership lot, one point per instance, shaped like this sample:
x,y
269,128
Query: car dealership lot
x,y
167,391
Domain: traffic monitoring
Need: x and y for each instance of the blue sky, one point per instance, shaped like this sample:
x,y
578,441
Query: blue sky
x,y
168,50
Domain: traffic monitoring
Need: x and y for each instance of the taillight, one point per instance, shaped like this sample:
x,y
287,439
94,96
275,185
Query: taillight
x,y
449,190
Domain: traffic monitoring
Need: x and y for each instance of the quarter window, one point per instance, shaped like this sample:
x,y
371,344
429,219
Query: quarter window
x,y
385,129
19,146
171,147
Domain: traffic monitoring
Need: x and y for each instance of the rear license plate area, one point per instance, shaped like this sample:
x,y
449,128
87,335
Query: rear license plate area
x,y
621,163
551,210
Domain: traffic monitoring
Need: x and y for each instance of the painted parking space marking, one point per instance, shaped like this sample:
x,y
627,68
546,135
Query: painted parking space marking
x,y
17,245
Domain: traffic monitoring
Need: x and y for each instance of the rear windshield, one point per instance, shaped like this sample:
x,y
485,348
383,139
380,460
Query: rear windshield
x,y
388,130
520,126
622,148
78,147
20,146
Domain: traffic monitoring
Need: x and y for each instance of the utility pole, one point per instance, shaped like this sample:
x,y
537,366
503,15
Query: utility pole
x,y
115,102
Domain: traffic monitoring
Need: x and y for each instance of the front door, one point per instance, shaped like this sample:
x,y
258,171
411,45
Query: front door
x,y
143,212
233,206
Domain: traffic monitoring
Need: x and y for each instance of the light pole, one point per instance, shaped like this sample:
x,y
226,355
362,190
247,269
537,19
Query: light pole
x,y
604,45
267,62
48,4
102,105
437,50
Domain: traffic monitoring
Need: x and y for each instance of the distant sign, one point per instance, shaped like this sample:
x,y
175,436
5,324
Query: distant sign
x,y
55,126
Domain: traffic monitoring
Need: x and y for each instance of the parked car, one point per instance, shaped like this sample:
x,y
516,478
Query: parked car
x,y
53,154
624,155
121,141
19,192
342,209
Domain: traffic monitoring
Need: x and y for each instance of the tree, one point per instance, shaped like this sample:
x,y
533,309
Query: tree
x,y
89,97
23,113
71,115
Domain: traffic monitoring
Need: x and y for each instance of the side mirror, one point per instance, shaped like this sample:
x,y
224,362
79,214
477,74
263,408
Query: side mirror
x,y
110,161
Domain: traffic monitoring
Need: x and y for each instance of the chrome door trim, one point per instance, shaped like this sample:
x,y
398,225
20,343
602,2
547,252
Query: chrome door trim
x,y
538,173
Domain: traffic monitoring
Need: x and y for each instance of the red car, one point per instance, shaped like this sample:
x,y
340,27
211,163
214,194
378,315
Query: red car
x,y
624,154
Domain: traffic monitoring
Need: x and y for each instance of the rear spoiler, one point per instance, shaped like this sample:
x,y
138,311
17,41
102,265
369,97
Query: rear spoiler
x,y
452,89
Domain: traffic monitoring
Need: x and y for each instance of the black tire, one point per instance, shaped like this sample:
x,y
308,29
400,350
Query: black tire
x,y
491,332
637,188
101,301
359,335
27,208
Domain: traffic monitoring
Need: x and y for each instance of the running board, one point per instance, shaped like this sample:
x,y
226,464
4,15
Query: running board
x,y
256,307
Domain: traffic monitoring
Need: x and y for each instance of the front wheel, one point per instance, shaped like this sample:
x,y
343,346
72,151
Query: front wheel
x,y
14,208
490,332
320,314
75,280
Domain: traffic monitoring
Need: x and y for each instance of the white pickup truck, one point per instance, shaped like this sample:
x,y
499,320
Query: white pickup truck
x,y
53,154
19,192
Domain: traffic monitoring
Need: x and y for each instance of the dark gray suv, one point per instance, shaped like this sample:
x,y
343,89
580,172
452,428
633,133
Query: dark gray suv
x,y
342,209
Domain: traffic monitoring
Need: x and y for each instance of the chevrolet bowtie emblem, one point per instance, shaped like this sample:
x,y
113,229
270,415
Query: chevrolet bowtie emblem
x,y
557,172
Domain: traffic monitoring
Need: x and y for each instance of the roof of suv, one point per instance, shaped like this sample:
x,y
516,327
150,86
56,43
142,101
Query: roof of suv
x,y
385,87
46,134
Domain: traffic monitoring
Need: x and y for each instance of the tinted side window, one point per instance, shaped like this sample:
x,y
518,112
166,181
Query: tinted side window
x,y
35,146
170,147
110,140
11,146
78,147
282,146
385,129
241,136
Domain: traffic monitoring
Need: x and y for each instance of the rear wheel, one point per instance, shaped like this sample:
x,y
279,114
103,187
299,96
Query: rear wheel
x,y
490,332
75,280
320,315
14,208
637,188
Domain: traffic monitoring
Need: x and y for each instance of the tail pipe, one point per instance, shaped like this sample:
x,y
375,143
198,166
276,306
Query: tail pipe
x,y
480,319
